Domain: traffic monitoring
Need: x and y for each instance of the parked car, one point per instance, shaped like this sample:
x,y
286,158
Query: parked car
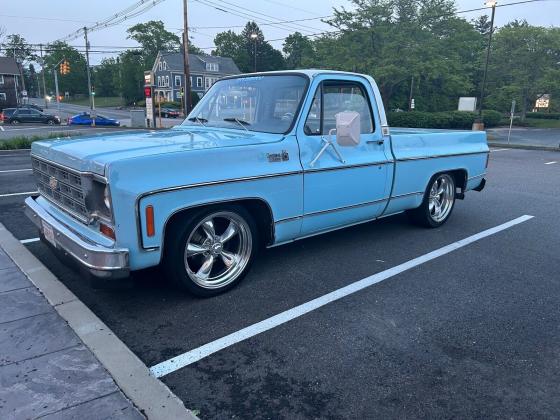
x,y
298,153
85,119
31,106
28,115
169,113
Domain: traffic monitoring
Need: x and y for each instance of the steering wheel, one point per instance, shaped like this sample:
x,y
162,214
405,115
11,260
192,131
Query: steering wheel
x,y
287,116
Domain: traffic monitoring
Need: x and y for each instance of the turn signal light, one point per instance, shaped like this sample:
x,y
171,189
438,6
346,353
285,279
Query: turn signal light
x,y
107,230
150,227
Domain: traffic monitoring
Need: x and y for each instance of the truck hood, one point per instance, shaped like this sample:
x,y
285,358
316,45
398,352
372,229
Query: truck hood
x,y
93,153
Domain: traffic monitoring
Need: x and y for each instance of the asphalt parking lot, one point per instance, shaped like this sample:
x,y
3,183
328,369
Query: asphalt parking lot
x,y
473,332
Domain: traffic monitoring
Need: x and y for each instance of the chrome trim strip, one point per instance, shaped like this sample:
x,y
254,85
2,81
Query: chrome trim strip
x,y
316,213
360,165
101,261
477,176
75,171
440,156
332,230
407,194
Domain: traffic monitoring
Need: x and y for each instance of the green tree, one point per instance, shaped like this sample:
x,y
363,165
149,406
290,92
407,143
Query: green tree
x,y
131,62
153,37
524,65
18,48
74,82
106,76
241,48
299,51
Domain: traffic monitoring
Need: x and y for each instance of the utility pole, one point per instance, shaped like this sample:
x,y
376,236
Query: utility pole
x,y
479,124
255,36
88,72
43,71
187,98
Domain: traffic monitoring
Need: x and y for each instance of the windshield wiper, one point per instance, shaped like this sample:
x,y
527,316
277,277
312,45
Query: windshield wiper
x,y
242,123
199,120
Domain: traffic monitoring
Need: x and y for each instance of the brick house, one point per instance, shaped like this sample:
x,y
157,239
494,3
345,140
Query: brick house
x,y
204,69
10,83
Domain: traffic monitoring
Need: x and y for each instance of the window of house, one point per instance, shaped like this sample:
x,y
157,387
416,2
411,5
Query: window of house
x,y
167,81
160,65
333,97
212,67
2,97
177,80
2,80
199,81
165,65
190,80
159,81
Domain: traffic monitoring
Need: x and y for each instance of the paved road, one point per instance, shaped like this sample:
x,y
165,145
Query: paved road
x,y
526,136
8,132
471,334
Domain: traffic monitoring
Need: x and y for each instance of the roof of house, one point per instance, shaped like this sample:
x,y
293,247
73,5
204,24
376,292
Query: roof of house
x,y
197,63
9,65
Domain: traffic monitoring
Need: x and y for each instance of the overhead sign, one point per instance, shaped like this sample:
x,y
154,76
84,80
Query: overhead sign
x,y
412,105
543,101
148,77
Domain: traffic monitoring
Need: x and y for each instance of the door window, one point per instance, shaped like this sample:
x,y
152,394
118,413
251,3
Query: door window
x,y
333,97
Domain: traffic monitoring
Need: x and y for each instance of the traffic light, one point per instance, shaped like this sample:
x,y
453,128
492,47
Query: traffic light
x,y
147,91
92,90
65,67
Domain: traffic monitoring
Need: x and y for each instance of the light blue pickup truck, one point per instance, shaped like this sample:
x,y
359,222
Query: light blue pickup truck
x,y
262,160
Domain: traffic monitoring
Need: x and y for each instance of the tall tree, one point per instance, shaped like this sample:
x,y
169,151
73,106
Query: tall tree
x,y
106,76
18,48
153,37
242,48
131,62
298,51
524,65
74,82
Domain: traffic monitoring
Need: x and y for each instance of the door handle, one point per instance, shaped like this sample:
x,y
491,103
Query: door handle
x,y
379,142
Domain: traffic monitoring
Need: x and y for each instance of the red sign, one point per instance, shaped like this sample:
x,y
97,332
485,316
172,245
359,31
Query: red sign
x,y
147,91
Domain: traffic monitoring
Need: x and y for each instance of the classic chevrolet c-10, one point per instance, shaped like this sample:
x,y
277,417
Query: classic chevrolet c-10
x,y
262,160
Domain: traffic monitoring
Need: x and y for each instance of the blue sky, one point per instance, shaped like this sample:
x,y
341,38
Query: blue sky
x,y
33,21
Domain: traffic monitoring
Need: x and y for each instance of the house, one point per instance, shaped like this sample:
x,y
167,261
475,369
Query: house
x,y
10,83
205,70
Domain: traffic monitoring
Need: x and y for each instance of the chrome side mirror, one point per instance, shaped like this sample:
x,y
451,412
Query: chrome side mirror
x,y
348,128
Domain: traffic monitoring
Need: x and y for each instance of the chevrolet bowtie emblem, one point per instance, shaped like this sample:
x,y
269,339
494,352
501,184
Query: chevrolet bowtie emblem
x,y
53,182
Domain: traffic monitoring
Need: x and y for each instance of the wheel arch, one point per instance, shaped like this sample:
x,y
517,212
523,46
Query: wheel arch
x,y
258,208
460,177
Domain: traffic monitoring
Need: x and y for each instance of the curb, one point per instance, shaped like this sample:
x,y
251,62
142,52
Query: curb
x,y
151,396
524,146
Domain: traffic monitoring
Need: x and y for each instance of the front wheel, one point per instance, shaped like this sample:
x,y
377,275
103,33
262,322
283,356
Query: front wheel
x,y
210,251
438,203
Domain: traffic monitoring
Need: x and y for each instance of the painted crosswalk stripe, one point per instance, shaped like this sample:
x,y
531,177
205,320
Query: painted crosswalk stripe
x,y
551,163
190,357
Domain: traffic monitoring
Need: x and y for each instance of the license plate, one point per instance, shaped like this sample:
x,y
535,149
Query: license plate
x,y
48,233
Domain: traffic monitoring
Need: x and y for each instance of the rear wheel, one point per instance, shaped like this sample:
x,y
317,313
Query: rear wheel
x,y
210,251
14,122
438,203
50,122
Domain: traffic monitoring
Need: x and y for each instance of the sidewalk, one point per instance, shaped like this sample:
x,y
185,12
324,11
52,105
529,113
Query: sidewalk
x,y
46,371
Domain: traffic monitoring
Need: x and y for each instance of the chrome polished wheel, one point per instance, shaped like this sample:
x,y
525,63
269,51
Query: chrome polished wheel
x,y
218,249
442,197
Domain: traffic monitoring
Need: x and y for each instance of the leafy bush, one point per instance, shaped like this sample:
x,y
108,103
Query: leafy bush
x,y
24,142
543,116
450,120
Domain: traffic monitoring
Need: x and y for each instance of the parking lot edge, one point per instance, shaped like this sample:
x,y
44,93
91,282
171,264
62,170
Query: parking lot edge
x,y
150,395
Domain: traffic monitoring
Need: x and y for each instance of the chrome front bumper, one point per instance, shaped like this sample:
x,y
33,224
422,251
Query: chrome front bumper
x,y
99,260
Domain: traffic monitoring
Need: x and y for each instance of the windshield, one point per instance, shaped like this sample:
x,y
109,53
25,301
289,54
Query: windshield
x,y
255,103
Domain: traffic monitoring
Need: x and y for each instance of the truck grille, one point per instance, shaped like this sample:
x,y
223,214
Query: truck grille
x,y
61,186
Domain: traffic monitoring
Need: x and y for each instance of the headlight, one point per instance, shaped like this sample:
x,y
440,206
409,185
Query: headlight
x,y
98,199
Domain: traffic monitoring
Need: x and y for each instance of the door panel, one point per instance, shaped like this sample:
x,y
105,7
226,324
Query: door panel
x,y
338,193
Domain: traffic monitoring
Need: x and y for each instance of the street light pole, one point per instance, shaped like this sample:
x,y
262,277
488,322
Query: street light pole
x,y
254,37
43,74
88,71
479,124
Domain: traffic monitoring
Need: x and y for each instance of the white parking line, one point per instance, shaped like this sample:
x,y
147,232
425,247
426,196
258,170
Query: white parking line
x,y
28,241
551,163
1,128
15,170
185,359
498,150
21,193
